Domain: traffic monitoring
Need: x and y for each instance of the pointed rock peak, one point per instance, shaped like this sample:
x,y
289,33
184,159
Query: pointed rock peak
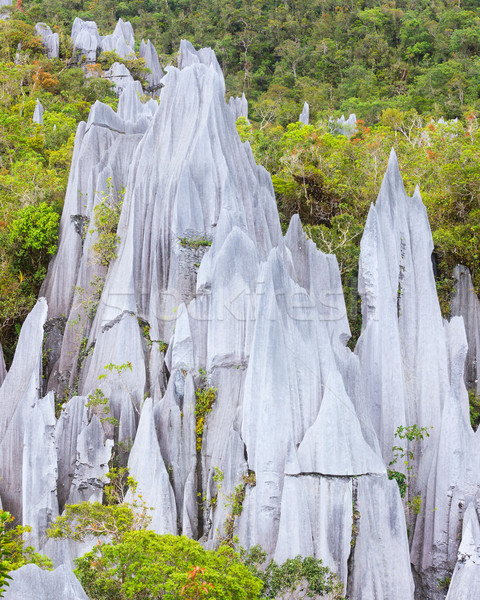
x,y
470,543
305,114
392,192
334,444
295,232
187,56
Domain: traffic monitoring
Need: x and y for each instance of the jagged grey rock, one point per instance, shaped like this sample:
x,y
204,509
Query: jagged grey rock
x,y
147,467
453,480
300,424
239,106
3,368
121,41
49,39
32,583
18,395
120,76
465,581
381,565
86,40
91,464
344,126
149,54
39,471
465,303
305,114
38,113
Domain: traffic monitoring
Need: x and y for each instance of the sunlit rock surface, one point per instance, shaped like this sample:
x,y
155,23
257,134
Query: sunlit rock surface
x,y
149,54
465,303
85,39
38,113
344,126
204,298
49,39
121,41
3,369
239,106
466,576
305,114
32,583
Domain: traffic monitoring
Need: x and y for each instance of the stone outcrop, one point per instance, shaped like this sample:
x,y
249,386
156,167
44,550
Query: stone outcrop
x,y
465,303
38,113
149,54
3,369
49,39
344,126
239,106
305,114
32,583
220,347
466,577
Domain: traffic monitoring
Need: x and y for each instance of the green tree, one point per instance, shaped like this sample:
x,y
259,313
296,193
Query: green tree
x,y
13,552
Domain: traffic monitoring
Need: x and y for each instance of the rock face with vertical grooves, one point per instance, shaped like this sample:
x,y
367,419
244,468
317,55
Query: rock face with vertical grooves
x,y
32,583
3,369
49,39
305,114
38,113
149,54
466,577
466,304
239,106
205,299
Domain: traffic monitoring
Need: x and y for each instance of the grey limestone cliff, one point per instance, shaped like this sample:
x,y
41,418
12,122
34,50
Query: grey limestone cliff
x,y
204,297
465,303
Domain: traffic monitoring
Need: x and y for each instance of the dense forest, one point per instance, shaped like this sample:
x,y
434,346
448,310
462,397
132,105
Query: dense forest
x,y
400,66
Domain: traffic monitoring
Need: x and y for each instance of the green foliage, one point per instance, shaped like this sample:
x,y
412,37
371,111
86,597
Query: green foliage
x,y
412,434
296,578
474,403
204,400
235,503
13,552
146,565
194,242
33,235
106,216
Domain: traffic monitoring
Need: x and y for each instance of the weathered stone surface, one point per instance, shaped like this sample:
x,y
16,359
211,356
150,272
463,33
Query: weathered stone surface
x,y
49,39
149,54
120,76
18,395
466,576
3,369
38,113
381,566
121,41
466,304
344,126
453,480
305,114
91,464
239,107
147,467
39,471
86,40
299,424
67,430
32,583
